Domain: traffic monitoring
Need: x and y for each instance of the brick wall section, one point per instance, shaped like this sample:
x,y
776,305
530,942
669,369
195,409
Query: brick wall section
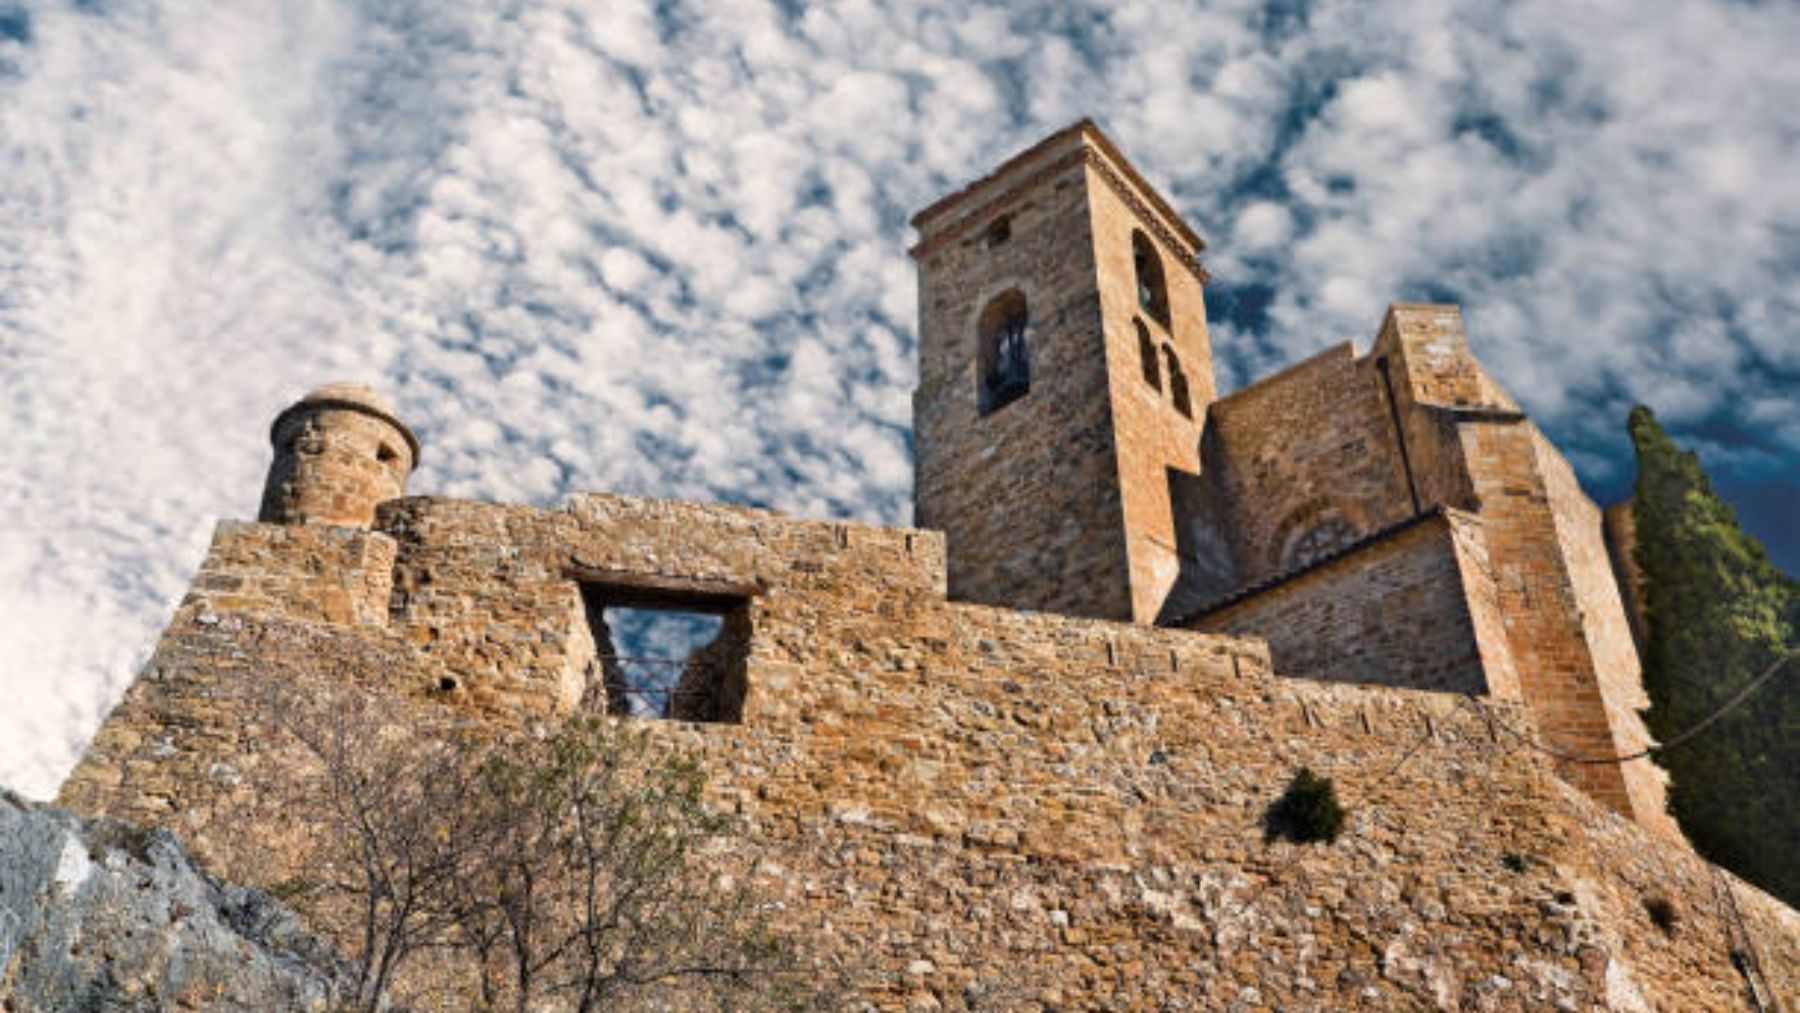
x,y
968,807
491,592
1393,613
1577,664
1323,440
508,629
1484,604
1319,440
1432,376
1430,355
178,749
1093,496
1550,646
1580,534
1313,442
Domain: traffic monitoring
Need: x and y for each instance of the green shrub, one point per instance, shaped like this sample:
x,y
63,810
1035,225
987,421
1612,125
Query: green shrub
x,y
1307,811
1718,614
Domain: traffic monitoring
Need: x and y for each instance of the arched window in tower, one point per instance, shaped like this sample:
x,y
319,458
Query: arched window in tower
x,y
1004,356
1152,293
1178,388
1147,355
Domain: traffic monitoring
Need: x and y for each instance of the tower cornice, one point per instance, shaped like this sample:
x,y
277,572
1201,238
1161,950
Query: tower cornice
x,y
982,200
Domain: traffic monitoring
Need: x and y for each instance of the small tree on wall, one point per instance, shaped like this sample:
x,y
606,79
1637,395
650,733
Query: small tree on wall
x,y
563,870
387,810
585,887
1306,812
1718,613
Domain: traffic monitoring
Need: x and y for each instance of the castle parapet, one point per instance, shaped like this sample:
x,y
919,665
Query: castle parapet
x,y
312,574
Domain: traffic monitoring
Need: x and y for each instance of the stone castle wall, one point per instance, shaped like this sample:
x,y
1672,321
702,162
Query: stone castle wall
x,y
312,573
1420,355
1430,354
1550,645
1468,444
964,806
1522,601
1094,495
970,807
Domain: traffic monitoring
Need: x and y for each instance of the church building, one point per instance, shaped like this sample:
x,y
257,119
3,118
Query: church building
x,y
1390,517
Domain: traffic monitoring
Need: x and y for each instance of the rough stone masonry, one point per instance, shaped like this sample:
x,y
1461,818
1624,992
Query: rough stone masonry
x,y
1371,566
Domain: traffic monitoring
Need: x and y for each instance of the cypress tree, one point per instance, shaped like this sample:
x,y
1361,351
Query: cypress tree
x,y
1718,613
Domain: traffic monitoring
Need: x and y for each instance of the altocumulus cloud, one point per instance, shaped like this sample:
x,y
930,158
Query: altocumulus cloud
x,y
659,248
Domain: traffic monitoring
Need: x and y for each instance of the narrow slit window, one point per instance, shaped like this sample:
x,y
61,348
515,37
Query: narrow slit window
x,y
1178,385
1147,355
1003,361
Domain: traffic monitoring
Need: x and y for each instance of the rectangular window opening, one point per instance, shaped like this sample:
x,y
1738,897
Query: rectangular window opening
x,y
667,654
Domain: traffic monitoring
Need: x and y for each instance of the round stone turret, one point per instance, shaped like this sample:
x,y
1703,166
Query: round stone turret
x,y
339,451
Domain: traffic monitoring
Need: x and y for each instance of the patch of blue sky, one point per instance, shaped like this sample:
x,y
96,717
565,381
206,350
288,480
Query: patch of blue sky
x,y
1244,305
654,646
15,25
1764,505
1280,21
1494,131
1562,91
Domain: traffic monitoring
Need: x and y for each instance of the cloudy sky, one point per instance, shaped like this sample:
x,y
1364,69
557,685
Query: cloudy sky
x,y
660,247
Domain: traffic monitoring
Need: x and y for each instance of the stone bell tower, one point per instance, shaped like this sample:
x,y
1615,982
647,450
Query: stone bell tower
x,y
1064,372
339,451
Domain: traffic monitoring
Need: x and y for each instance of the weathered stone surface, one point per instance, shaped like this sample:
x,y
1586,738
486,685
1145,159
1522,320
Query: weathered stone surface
x,y
106,916
1341,458
339,451
1059,500
975,807
1379,615
1311,448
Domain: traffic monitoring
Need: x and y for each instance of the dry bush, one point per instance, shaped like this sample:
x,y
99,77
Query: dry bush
x,y
567,869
